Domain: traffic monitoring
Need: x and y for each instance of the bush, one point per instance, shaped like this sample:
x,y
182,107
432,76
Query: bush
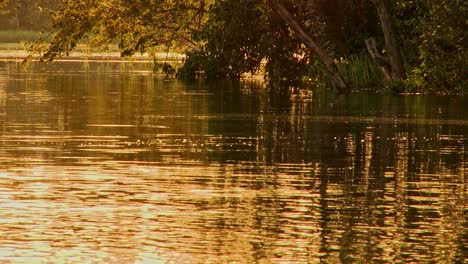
x,y
435,44
192,66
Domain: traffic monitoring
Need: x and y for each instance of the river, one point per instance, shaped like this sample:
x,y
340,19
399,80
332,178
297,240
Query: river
x,y
104,162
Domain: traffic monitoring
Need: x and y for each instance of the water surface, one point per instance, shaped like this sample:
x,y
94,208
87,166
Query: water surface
x,y
108,163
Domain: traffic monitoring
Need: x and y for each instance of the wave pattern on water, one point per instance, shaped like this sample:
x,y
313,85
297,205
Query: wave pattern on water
x,y
101,167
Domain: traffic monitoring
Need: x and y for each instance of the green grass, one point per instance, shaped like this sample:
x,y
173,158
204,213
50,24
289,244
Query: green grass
x,y
17,36
361,72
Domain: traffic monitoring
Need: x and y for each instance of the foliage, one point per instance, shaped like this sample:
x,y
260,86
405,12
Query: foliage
x,y
344,24
137,25
231,40
436,45
193,65
165,68
227,38
240,37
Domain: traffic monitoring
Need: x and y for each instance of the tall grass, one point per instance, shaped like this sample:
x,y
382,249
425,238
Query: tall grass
x,y
360,72
17,36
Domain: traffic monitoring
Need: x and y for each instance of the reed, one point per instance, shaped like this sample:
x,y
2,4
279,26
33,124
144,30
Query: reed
x,y
360,72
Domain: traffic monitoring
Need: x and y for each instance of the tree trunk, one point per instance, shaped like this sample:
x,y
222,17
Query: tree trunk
x,y
336,79
394,55
381,61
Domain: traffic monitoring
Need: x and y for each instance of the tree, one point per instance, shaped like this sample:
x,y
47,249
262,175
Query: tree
x,y
239,34
226,38
435,44
137,25
386,20
239,37
231,42
327,61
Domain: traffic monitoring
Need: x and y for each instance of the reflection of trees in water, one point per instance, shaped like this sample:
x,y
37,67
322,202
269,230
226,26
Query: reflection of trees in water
x,y
376,176
330,183
3,98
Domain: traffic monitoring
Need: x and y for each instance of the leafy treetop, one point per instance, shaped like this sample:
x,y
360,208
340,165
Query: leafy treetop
x,y
136,25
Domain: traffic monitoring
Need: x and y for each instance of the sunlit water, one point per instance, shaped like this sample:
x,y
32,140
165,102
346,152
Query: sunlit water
x,y
106,163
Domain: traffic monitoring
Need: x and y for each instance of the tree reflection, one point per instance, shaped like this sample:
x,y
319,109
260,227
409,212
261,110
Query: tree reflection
x,y
371,175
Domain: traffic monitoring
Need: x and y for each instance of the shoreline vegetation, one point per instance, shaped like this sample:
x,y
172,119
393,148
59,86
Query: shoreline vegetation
x,y
17,52
358,70
347,46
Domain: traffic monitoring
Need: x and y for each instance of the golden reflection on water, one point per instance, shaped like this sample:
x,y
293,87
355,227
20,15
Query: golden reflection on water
x,y
110,168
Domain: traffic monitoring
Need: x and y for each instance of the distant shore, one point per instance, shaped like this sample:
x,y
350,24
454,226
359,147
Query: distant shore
x,y
15,52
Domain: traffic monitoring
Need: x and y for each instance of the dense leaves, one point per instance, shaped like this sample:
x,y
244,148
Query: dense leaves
x,y
435,43
239,37
228,38
136,25
232,39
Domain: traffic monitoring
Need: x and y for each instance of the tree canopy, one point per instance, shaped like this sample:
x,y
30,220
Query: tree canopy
x,y
136,25
423,42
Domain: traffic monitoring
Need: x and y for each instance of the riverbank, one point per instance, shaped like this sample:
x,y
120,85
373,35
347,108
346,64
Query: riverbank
x,y
16,52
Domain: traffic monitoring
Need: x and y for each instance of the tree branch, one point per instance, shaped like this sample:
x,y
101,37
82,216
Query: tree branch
x,y
326,60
